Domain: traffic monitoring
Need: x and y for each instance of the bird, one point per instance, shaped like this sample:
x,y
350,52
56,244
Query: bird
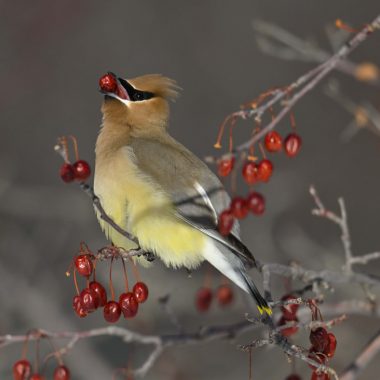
x,y
155,188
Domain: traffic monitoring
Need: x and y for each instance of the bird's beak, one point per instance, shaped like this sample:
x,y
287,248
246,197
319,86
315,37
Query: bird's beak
x,y
115,87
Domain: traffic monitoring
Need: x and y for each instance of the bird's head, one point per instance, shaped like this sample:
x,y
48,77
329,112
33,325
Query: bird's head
x,y
140,104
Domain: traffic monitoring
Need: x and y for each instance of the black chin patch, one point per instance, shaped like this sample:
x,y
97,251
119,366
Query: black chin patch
x,y
134,94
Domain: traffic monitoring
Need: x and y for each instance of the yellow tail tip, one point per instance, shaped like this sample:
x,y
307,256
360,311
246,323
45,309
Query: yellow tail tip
x,y
265,309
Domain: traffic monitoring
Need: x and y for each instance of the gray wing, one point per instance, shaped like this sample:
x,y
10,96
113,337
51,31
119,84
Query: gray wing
x,y
197,193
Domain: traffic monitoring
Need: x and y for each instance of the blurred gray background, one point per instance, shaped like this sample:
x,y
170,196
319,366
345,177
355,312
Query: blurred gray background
x,y
52,54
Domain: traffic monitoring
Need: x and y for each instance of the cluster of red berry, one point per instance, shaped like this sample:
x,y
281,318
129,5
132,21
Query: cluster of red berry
x,y
289,314
94,295
204,297
323,346
80,170
108,84
254,172
22,370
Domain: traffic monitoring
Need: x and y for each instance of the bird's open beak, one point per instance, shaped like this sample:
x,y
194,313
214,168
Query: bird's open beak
x,y
114,87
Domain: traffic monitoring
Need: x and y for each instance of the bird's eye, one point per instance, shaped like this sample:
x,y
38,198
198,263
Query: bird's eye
x,y
138,96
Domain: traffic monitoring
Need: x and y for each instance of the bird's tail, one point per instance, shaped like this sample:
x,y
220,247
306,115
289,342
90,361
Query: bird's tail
x,y
232,267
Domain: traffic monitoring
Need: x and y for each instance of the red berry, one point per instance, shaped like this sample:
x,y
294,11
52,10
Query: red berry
x,y
331,346
37,376
203,299
21,370
317,357
239,207
100,292
319,339
224,295
89,300
61,373
82,170
111,311
67,173
256,203
225,166
293,376
289,331
292,144
290,310
128,304
84,265
108,83
273,141
250,172
141,292
78,307
226,222
320,376
264,170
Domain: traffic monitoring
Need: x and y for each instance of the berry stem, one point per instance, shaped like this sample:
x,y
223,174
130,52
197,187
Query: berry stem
x,y
25,346
75,281
218,145
75,143
125,276
262,150
63,142
111,284
135,270
207,283
231,141
292,120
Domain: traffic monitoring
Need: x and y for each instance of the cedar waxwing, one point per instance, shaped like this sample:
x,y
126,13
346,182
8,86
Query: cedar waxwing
x,y
155,188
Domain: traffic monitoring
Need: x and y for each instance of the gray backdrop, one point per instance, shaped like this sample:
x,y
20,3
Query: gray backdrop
x,y
52,54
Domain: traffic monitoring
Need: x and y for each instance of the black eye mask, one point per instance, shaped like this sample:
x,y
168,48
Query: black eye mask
x,y
135,95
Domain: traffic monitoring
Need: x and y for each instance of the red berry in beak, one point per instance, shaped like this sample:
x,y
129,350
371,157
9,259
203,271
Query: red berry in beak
x,y
273,141
203,299
141,292
61,373
225,166
111,311
224,295
128,305
226,222
292,144
84,265
108,83
100,292
256,203
21,370
82,170
67,173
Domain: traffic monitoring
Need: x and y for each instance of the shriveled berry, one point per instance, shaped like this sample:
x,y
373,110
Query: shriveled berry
x,y
226,222
319,376
273,141
37,376
293,376
224,295
290,310
318,357
225,166
100,292
111,311
21,370
256,203
250,172
289,331
82,170
319,339
239,207
67,173
203,299
141,292
331,346
108,83
128,304
264,170
78,307
83,264
61,373
292,144
89,300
